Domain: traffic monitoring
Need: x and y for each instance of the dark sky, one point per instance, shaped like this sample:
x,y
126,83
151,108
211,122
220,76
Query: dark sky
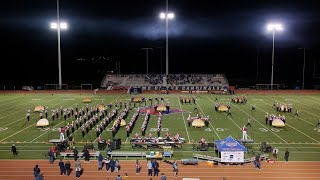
x,y
205,37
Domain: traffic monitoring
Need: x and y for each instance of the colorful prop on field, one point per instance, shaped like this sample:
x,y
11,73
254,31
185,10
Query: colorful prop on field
x,y
239,99
42,123
222,107
101,107
137,99
38,108
198,122
161,108
153,110
283,108
122,123
87,100
186,99
277,121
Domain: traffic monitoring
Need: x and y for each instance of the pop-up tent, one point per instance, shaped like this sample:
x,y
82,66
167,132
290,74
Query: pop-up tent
x,y
230,150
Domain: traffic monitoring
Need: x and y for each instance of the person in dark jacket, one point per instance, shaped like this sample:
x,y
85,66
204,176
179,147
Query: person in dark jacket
x,y
68,168
14,150
286,155
75,154
86,155
36,172
112,164
62,167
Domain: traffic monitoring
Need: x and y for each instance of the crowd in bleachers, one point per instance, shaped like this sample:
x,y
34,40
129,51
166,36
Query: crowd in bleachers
x,y
154,79
178,79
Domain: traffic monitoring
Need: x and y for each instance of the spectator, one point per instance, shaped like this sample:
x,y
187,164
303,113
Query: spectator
x,y
75,153
163,177
14,150
275,153
51,156
117,166
100,158
78,169
175,169
137,167
258,162
36,172
156,168
68,168
62,167
149,168
286,155
126,177
107,163
112,164
119,177
86,155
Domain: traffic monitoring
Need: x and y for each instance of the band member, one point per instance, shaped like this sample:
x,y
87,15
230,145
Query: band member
x,y
87,128
128,130
229,112
136,136
267,118
150,135
158,132
202,141
189,120
46,113
41,114
28,116
67,130
65,115
296,114
167,135
206,122
216,100
318,123
97,131
248,123
72,127
108,142
52,115
253,108
82,131
244,133
61,131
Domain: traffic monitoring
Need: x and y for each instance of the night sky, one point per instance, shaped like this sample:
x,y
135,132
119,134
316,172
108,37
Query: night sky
x,y
227,37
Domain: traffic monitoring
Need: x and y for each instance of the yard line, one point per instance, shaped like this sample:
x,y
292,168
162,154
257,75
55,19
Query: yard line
x,y
47,131
22,110
262,125
26,128
17,132
184,121
293,127
10,99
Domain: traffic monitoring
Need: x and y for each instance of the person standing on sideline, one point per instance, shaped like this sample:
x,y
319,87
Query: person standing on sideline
x,y
78,169
36,172
149,168
75,153
248,123
119,177
62,167
51,156
155,168
296,114
286,155
175,169
275,153
100,158
117,166
112,164
137,167
163,177
14,150
68,168
106,162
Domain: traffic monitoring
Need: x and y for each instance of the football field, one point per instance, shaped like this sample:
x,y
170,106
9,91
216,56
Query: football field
x,y
300,135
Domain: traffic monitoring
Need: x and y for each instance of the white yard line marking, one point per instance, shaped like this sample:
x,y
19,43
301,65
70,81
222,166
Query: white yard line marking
x,y
17,132
184,121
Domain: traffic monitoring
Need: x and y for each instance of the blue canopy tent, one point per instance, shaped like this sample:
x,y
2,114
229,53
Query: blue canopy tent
x,y
230,150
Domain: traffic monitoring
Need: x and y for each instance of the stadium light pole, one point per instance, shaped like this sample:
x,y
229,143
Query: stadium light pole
x,y
304,65
273,27
167,16
58,26
147,59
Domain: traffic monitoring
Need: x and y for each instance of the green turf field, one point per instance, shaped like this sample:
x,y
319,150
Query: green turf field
x,y
300,135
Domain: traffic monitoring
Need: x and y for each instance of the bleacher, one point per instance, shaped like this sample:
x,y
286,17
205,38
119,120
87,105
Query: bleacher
x,y
142,80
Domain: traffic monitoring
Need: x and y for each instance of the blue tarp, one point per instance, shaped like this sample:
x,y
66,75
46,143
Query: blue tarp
x,y
229,144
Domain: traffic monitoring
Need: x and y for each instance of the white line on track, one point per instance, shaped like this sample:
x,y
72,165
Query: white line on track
x,y
184,121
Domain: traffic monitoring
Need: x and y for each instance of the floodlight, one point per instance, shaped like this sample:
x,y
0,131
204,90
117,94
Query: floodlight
x,y
275,27
170,15
162,15
63,25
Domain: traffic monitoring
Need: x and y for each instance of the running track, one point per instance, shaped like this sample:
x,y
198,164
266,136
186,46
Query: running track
x,y
23,169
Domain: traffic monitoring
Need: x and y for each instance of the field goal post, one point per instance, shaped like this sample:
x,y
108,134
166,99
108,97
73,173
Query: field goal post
x,y
86,86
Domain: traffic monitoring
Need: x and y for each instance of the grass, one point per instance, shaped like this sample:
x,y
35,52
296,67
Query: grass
x,y
300,135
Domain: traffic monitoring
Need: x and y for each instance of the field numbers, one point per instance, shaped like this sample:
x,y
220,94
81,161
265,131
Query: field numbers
x,y
266,130
220,129
208,129
3,128
163,129
47,129
317,129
